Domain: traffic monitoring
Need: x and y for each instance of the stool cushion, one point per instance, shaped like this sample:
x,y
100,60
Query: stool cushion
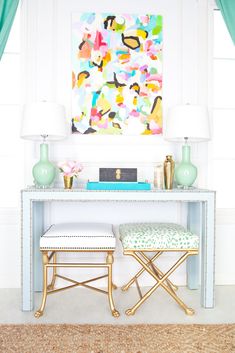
x,y
157,236
78,236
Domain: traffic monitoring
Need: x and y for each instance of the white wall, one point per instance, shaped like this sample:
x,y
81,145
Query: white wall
x,y
46,68
48,72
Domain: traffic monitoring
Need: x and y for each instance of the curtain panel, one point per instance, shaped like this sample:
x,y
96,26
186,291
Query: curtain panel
x,y
227,8
7,14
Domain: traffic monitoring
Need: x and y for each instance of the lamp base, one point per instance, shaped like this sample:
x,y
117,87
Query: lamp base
x,y
185,172
44,171
183,187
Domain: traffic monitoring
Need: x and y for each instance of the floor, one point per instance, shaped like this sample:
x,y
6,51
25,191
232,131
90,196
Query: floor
x,y
85,306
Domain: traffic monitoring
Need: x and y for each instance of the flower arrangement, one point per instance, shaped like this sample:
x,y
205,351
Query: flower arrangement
x,y
70,168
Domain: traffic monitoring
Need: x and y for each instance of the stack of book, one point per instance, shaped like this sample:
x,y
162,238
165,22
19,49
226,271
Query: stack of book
x,y
118,179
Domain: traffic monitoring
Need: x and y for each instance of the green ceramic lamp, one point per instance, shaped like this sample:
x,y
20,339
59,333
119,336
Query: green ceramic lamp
x,y
187,123
44,121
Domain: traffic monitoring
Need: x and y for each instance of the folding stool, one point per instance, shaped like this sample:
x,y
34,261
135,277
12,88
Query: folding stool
x,y
77,237
141,238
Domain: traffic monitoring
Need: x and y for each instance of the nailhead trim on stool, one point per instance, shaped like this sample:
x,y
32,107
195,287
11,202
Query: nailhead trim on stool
x,y
79,236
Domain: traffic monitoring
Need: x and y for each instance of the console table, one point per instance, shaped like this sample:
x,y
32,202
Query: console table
x,y
200,219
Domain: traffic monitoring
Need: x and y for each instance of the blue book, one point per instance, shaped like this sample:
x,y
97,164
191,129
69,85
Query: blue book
x,y
104,185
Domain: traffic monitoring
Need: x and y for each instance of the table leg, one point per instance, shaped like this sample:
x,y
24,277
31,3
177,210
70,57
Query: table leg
x,y
201,220
208,254
32,228
194,223
38,229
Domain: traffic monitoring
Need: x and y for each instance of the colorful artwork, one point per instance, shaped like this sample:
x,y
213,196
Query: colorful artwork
x,y
117,74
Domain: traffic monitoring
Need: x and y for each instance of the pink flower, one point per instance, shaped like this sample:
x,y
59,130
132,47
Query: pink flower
x,y
70,168
77,167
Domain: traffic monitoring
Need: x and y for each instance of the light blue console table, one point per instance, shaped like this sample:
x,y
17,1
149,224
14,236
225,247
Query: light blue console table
x,y
200,219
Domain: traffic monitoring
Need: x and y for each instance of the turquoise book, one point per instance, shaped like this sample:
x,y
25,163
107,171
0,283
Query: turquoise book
x,y
103,185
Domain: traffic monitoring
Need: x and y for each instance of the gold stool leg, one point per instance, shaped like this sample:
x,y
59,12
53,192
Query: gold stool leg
x,y
158,272
109,261
51,286
45,260
187,310
142,300
114,286
132,280
160,282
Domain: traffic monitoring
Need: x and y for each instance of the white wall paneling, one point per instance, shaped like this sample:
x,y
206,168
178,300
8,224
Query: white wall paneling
x,y
11,157
52,77
10,249
46,73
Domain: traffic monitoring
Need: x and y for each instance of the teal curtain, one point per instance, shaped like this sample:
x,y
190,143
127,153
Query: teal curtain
x,y
227,8
7,13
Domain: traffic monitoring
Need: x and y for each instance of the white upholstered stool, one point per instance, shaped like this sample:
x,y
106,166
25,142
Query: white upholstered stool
x,y
77,237
141,238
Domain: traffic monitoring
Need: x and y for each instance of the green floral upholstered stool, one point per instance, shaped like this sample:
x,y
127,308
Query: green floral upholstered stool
x,y
141,238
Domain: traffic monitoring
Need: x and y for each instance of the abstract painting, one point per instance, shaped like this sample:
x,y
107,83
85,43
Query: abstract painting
x,y
116,74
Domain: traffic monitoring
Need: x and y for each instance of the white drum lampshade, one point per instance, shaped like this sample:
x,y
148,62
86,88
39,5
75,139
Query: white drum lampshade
x,y
187,123
43,119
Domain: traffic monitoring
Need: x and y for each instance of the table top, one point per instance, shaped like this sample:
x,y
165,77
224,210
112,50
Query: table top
x,y
76,194
83,190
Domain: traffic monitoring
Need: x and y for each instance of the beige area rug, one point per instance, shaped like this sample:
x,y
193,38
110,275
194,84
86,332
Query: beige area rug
x,y
117,338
